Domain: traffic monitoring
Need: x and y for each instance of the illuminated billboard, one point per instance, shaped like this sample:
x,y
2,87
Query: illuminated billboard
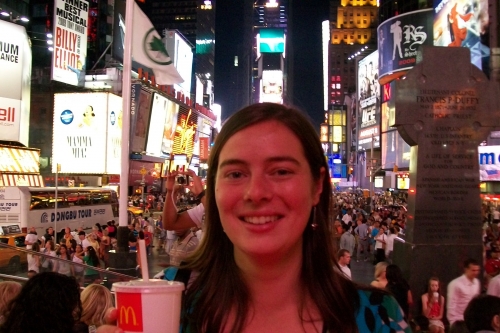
x,y
398,40
489,163
140,109
162,126
81,140
464,23
114,134
271,87
15,66
369,102
70,41
181,52
271,40
187,125
394,151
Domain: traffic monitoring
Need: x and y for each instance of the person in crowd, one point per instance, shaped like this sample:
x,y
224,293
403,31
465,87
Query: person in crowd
x,y
399,287
82,239
380,275
267,258
172,220
347,240
362,232
29,311
494,284
105,247
77,257
8,291
92,239
389,244
96,300
482,314
344,259
461,290
433,306
67,237
49,235
34,260
31,238
91,259
60,266
185,245
380,244
458,326
48,250
111,229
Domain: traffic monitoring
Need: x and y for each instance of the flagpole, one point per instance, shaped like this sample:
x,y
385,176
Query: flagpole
x,y
126,87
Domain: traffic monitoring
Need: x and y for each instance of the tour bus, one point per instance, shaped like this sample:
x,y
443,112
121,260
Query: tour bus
x,y
76,207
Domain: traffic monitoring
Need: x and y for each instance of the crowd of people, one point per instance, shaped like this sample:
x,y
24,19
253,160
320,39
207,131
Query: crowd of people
x,y
275,248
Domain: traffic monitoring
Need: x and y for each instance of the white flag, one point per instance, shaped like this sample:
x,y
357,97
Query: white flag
x,y
149,50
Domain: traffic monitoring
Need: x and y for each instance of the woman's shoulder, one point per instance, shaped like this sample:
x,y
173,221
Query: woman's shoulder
x,y
379,312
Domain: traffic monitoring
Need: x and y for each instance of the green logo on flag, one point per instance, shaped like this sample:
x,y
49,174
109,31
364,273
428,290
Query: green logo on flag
x,y
154,49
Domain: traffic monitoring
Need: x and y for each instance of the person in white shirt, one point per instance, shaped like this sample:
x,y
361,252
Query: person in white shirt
x,y
389,243
461,290
83,239
30,238
192,217
344,258
494,286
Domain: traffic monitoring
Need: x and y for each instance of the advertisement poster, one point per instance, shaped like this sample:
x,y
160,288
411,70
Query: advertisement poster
x,y
79,139
187,125
464,23
399,38
369,102
271,87
140,110
489,163
156,125
15,66
395,151
70,41
114,135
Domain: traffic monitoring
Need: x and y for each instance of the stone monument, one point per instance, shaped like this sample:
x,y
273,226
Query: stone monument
x,y
445,107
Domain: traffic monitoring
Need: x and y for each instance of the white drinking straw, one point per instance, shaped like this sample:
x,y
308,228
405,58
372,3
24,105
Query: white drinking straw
x,y
143,260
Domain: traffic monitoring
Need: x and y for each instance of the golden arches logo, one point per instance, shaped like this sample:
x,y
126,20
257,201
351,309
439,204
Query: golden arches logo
x,y
126,313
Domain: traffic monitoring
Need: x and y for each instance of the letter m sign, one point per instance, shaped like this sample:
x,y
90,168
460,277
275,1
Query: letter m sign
x,y
130,311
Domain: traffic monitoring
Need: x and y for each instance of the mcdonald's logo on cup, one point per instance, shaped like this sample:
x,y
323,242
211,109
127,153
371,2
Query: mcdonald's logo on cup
x,y
130,312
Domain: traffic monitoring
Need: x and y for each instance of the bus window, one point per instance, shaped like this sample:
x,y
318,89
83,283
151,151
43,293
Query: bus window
x,y
114,203
61,202
39,200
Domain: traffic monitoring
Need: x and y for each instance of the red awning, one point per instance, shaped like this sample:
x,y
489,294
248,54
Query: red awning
x,y
21,180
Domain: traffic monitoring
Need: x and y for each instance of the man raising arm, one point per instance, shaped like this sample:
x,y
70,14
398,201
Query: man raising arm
x,y
187,219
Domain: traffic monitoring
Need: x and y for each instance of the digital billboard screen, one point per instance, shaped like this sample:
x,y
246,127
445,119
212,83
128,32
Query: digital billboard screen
x,y
271,87
114,135
369,102
489,163
394,151
140,111
464,23
271,40
398,40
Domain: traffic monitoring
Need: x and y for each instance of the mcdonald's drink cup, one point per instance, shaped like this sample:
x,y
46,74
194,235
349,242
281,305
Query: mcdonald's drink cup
x,y
148,306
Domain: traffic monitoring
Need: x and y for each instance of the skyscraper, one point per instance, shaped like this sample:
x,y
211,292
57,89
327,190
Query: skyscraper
x,y
353,27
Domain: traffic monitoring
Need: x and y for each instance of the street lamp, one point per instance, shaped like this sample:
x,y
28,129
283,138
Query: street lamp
x,y
13,19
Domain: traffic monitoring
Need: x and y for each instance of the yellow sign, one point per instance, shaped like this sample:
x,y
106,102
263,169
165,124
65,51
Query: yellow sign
x,y
19,160
126,313
143,171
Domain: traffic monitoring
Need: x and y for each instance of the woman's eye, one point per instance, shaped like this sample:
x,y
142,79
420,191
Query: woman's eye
x,y
282,172
234,175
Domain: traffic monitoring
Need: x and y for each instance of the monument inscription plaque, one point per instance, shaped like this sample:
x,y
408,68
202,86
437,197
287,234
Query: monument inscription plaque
x,y
445,107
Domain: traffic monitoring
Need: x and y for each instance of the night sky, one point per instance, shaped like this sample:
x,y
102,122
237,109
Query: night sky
x,y
305,28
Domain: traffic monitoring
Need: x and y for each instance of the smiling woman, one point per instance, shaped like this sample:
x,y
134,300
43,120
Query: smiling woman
x,y
266,262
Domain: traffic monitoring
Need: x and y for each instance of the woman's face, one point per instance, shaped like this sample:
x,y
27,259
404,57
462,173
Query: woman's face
x,y
79,248
434,285
264,190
